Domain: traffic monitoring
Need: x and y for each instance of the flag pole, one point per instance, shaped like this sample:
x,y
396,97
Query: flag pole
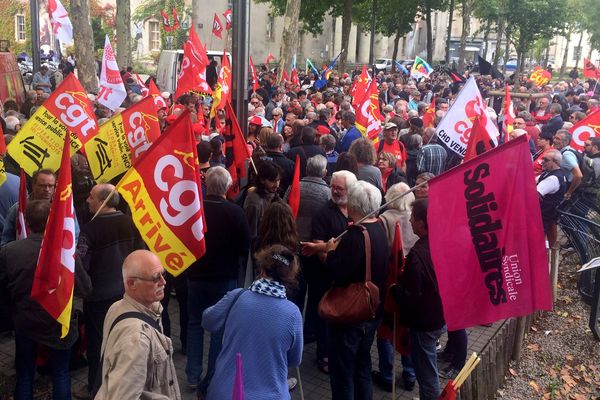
x,y
110,195
374,212
394,357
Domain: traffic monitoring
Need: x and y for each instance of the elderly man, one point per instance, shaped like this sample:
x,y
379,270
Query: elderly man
x,y
432,156
555,122
227,240
137,359
103,245
34,327
551,186
418,297
569,162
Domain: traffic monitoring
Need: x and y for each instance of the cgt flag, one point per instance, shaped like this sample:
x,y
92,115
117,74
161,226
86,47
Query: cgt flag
x,y
122,140
55,271
455,127
487,240
38,144
586,128
162,190
590,70
217,27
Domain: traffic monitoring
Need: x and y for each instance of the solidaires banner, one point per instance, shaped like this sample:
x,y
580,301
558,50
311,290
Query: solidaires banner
x,y
162,190
122,140
39,143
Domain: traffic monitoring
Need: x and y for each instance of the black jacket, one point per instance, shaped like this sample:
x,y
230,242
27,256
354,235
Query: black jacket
x,y
305,152
417,293
287,168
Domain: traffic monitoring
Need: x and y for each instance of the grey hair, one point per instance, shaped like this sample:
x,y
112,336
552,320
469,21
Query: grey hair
x,y
568,136
404,202
316,166
555,154
218,181
363,198
348,177
555,108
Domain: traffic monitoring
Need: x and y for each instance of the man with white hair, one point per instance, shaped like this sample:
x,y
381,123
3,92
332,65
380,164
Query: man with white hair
x,y
551,186
227,239
137,358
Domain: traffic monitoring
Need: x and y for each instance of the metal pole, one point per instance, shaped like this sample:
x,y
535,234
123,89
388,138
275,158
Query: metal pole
x,y
372,42
240,46
35,34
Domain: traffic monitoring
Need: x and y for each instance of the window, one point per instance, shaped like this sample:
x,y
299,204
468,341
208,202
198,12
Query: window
x,y
20,27
154,36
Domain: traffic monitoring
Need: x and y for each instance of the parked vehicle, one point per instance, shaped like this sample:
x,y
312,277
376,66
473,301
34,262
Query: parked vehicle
x,y
383,64
169,65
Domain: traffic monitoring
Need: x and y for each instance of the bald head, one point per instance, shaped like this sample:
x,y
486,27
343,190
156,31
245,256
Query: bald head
x,y
143,277
99,194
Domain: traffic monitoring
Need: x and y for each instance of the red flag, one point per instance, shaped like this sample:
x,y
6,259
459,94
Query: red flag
x,y
238,383
165,20
143,87
509,115
255,84
429,117
192,76
22,230
294,196
2,142
270,58
217,27
375,117
227,15
486,213
159,101
175,20
162,190
295,80
585,129
240,151
479,141
54,274
590,70
284,76
360,87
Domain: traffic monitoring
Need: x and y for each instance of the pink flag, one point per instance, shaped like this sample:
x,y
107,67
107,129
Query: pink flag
x,y
487,240
238,384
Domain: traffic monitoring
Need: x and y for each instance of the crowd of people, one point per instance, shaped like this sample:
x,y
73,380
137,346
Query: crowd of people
x,y
257,290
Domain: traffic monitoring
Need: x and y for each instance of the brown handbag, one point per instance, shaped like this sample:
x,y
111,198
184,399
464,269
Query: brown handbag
x,y
355,303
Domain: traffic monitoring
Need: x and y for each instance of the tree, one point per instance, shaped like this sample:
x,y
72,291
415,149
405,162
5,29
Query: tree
x,y
84,44
590,23
103,22
573,18
123,21
289,40
390,20
426,9
531,20
467,7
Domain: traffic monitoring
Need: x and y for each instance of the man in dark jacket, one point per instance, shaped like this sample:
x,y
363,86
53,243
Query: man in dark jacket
x,y
419,300
227,239
275,154
103,245
33,325
307,149
555,122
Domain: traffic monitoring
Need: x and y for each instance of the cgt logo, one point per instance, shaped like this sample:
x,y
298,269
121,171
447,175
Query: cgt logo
x,y
136,137
73,113
472,109
181,202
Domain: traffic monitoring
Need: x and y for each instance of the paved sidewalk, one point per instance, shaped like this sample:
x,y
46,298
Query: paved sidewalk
x,y
315,384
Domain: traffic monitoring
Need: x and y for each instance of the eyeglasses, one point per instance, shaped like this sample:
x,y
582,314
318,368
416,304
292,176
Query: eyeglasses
x,y
155,279
254,102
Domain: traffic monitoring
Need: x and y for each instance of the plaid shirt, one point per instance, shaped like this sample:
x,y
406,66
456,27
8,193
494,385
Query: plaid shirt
x,y
431,158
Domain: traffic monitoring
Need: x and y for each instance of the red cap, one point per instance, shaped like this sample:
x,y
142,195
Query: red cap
x,y
255,120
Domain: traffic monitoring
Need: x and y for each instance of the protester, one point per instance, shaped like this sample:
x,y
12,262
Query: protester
x,y
390,173
262,194
431,157
352,133
41,80
569,162
544,144
274,145
590,184
137,359
33,325
307,149
103,245
365,155
227,240
551,186
263,326
420,305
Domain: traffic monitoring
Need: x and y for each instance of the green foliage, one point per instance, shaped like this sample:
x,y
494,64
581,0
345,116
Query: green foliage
x,y
151,9
391,17
7,25
590,19
312,12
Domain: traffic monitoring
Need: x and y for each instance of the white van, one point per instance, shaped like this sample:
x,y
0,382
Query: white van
x,y
169,65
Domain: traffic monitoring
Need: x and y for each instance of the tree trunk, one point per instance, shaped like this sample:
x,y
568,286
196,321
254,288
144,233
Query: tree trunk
x,y
449,34
499,32
507,50
563,67
395,51
580,49
466,28
346,26
289,42
429,34
84,48
123,21
196,11
486,36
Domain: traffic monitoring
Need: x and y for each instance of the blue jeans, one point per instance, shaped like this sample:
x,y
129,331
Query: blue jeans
x,y
25,354
202,295
350,360
386,360
424,359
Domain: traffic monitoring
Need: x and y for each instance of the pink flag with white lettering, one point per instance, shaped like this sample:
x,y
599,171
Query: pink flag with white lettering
x,y
112,91
487,240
